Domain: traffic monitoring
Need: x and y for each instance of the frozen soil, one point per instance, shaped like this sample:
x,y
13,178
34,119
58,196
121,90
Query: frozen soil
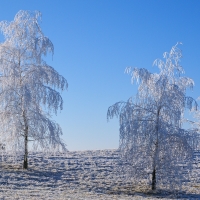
x,y
76,176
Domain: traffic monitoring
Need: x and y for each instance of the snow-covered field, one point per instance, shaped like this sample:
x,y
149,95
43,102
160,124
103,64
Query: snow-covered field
x,y
74,175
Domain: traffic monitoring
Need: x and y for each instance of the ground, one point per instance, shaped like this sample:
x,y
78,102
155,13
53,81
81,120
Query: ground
x,y
76,175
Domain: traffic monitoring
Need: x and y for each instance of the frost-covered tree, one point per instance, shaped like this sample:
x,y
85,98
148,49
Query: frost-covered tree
x,y
28,87
195,122
152,140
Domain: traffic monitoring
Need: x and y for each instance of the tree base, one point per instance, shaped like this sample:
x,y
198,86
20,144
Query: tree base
x,y
25,165
153,186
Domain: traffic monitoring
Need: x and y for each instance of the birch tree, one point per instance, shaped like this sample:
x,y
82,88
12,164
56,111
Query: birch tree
x,y
152,140
28,86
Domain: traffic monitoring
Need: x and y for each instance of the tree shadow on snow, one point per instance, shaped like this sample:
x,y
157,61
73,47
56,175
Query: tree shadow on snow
x,y
17,177
157,194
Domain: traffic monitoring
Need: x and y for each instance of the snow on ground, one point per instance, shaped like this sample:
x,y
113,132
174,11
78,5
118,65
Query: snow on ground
x,y
74,176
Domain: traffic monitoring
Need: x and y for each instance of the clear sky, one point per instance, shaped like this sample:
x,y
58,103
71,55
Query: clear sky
x,y
95,40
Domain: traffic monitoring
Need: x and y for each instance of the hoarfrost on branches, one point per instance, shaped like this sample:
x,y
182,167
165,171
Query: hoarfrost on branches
x,y
152,141
195,124
28,86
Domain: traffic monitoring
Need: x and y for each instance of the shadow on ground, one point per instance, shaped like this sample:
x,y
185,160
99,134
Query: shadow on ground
x,y
157,194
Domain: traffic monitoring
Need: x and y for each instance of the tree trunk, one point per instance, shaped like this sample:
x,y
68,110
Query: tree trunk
x,y
153,186
25,166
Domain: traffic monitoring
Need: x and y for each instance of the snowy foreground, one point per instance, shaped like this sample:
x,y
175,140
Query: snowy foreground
x,y
75,175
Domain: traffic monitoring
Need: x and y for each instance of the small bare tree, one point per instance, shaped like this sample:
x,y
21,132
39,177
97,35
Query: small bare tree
x,y
195,124
28,86
151,134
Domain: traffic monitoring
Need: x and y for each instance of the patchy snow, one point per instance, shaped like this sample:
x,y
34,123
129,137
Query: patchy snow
x,y
76,175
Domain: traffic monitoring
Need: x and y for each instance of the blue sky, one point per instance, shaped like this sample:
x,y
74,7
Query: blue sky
x,y
95,40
